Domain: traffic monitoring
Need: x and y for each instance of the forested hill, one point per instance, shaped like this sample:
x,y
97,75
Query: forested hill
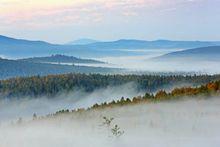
x,y
13,68
59,59
55,84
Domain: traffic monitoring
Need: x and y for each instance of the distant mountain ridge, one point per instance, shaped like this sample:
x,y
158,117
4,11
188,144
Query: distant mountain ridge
x,y
24,48
157,44
60,59
211,53
6,40
82,41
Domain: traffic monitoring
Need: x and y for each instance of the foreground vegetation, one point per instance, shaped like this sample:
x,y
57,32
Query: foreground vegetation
x,y
53,85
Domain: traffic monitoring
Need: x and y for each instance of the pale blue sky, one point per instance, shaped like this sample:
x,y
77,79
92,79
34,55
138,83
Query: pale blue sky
x,y
68,20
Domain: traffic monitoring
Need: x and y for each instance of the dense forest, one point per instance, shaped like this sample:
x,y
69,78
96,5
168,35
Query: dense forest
x,y
53,85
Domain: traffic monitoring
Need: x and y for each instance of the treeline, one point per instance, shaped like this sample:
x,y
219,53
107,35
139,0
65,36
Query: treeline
x,y
210,89
53,85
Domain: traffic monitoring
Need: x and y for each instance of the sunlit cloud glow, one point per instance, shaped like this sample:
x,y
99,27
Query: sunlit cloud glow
x,y
65,11
93,17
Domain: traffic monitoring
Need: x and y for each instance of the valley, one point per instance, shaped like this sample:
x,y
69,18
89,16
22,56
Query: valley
x,y
116,73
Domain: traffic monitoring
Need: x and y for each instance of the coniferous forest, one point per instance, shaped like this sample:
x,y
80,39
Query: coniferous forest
x,y
53,85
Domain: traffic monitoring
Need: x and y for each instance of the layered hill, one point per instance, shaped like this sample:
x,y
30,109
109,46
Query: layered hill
x,y
20,48
211,53
14,68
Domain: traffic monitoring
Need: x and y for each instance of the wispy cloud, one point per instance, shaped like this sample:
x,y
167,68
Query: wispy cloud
x,y
146,19
45,12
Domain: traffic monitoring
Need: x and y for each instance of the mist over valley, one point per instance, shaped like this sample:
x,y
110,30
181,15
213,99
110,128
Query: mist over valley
x,y
116,73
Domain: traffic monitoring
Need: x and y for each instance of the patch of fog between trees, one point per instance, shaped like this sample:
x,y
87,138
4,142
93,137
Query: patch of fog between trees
x,y
26,107
190,122
12,110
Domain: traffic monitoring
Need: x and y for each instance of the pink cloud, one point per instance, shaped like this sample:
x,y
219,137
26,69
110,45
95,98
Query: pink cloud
x,y
90,11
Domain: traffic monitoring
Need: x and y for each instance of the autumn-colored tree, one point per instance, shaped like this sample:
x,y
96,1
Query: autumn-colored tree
x,y
137,99
161,94
212,86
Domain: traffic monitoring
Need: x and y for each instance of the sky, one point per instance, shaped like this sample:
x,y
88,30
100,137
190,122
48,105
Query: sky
x,y
61,21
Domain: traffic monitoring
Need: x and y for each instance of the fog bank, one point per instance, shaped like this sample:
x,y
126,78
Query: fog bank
x,y
168,124
26,107
144,63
